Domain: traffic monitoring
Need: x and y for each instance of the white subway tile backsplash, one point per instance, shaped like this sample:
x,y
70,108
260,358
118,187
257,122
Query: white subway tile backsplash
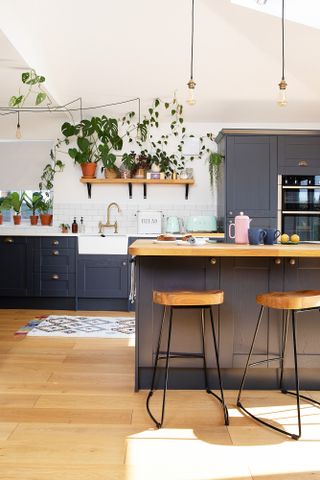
x,y
127,219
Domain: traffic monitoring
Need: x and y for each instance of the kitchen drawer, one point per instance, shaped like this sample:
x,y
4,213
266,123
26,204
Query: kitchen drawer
x,y
58,242
56,257
56,269
55,284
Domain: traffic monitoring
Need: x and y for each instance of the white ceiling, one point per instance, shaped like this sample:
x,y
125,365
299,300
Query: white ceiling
x,y
107,50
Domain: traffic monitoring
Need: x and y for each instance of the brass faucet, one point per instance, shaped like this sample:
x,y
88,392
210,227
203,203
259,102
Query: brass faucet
x,y
108,224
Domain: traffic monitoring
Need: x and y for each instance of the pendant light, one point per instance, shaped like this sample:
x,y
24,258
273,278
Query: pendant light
x,y
18,130
282,101
191,84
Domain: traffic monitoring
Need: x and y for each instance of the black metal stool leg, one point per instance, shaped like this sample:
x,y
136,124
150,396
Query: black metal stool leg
x,y
284,344
249,356
155,366
166,370
294,339
205,369
221,399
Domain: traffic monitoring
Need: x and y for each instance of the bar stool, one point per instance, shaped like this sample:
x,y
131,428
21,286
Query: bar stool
x,y
296,302
186,299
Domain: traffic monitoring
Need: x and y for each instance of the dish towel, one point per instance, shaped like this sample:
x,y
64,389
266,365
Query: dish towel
x,y
132,294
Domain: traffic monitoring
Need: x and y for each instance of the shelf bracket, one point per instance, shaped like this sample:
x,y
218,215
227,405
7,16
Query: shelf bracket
x,y
130,189
89,189
187,191
144,191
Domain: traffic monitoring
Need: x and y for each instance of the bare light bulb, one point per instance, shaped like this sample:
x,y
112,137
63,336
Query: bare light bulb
x,y
18,131
191,85
282,99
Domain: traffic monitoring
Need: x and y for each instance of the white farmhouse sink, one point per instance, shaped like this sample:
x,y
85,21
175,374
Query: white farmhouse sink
x,y
108,245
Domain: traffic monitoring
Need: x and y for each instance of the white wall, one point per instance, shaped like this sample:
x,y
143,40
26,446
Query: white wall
x,y
70,196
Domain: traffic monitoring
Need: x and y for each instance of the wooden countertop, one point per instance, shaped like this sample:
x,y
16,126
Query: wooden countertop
x,y
149,248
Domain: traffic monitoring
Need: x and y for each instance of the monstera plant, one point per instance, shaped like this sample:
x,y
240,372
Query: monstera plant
x,y
96,140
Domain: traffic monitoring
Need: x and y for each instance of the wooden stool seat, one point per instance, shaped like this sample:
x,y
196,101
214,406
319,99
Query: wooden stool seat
x,y
180,298
294,300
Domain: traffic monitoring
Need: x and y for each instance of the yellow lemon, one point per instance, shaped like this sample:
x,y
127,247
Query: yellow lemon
x,y
284,238
295,238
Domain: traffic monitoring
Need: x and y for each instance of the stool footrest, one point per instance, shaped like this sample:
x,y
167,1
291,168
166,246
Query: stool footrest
x,y
163,355
265,361
307,399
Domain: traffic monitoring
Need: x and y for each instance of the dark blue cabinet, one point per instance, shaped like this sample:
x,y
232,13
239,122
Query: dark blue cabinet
x,y
299,155
16,266
103,276
54,266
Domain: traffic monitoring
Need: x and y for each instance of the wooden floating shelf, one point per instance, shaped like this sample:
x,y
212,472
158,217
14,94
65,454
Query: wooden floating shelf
x,y
131,181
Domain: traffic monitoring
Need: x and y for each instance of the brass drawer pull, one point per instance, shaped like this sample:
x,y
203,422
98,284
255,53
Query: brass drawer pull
x,y
55,252
8,240
292,261
55,242
277,261
55,277
303,163
213,261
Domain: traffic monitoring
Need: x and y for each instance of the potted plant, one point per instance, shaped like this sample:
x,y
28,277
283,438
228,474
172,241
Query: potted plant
x,y
109,166
16,200
214,161
33,204
5,204
65,227
44,207
142,164
128,164
95,140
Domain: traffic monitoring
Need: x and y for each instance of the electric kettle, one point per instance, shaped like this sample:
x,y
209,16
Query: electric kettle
x,y
172,225
241,225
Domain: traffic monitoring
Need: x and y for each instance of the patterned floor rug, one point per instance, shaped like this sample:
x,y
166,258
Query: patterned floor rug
x,y
67,326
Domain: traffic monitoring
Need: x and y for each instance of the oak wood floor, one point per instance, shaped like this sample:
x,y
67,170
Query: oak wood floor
x,y
68,411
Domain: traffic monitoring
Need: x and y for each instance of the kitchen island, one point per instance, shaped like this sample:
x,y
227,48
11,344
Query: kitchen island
x,y
242,272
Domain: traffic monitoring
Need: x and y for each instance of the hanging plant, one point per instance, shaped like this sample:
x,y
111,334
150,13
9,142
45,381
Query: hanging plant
x,y
215,161
31,85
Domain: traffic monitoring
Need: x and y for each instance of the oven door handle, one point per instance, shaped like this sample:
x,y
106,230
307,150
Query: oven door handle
x,y
299,212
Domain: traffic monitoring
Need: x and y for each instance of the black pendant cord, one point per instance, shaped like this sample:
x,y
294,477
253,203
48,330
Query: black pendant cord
x,y
192,41
18,123
282,40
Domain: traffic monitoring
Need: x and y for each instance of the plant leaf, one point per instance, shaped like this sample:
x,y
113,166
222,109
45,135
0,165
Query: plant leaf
x,y
40,98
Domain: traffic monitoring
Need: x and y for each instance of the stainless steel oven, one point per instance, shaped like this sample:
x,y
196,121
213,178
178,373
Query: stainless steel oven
x,y
300,206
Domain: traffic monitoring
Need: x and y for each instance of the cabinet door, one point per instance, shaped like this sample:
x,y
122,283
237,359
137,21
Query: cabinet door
x,y
242,278
299,155
103,276
16,266
251,176
304,274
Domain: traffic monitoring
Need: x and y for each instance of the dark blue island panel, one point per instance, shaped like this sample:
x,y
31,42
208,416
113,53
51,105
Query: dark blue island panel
x,y
241,278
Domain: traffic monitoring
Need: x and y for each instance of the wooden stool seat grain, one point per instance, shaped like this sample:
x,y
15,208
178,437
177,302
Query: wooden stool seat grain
x,y
292,300
184,299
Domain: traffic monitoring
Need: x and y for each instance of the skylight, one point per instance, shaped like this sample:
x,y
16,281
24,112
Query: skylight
x,y
306,12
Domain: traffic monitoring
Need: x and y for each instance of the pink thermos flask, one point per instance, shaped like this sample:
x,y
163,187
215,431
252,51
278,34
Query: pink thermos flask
x,y
241,225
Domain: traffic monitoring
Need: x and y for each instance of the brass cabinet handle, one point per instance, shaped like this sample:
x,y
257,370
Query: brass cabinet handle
x,y
292,261
303,163
55,277
8,240
213,261
55,252
124,263
277,261
55,242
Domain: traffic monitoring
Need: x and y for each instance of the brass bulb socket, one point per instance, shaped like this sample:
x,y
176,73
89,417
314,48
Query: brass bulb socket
x,y
191,84
283,85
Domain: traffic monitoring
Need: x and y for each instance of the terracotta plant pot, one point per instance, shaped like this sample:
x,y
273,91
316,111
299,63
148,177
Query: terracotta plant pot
x,y
1,219
110,173
140,173
16,219
64,230
124,173
46,218
88,170
34,219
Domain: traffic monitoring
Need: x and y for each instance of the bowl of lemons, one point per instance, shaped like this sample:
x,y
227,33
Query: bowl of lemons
x,y
293,239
